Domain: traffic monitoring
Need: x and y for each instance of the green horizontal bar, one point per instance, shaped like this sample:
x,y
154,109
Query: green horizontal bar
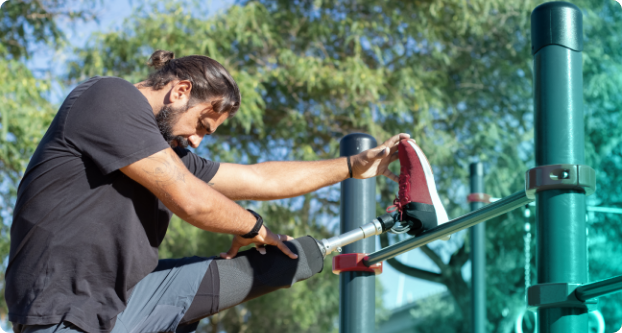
x,y
599,288
610,210
487,212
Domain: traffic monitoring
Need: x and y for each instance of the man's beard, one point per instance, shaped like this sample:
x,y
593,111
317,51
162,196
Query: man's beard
x,y
166,119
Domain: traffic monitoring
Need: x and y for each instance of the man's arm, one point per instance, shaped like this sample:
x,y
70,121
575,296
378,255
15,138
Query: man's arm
x,y
279,180
195,202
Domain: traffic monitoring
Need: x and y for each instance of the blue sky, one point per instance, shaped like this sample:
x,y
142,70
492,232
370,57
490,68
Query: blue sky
x,y
399,289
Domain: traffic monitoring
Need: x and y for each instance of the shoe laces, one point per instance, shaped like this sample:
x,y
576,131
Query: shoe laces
x,y
403,195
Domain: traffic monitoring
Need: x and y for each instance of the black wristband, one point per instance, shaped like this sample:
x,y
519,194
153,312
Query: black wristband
x,y
257,226
350,166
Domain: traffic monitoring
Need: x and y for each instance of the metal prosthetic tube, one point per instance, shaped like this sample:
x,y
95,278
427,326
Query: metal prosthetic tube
x,y
376,227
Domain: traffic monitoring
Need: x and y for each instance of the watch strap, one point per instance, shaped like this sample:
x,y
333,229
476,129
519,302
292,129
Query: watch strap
x,y
257,226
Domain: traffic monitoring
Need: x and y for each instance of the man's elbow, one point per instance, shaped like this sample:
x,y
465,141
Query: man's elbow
x,y
194,203
186,205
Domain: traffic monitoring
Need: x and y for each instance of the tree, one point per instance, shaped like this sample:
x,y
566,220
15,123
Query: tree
x,y
456,74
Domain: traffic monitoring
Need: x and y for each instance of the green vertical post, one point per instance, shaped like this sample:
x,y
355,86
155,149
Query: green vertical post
x,y
357,299
478,255
557,42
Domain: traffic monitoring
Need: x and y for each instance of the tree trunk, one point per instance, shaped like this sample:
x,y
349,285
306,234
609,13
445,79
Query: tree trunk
x,y
450,276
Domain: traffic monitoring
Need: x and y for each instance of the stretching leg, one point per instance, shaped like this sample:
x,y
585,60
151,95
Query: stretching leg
x,y
249,275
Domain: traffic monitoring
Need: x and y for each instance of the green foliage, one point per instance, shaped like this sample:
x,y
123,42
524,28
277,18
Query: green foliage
x,y
436,314
26,23
455,74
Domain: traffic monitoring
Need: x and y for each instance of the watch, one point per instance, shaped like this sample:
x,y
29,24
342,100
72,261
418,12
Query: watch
x,y
257,226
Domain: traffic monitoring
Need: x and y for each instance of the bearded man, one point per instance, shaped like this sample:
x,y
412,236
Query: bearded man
x,y
98,194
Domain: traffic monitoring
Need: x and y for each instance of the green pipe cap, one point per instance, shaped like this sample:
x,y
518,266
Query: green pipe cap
x,y
556,23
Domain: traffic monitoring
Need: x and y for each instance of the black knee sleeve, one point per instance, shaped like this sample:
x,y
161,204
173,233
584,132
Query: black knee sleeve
x,y
205,302
251,274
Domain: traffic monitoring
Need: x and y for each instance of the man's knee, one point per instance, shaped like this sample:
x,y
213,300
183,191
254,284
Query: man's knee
x,y
252,274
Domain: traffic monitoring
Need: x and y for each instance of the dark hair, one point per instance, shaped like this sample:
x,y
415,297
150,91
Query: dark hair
x,y
210,80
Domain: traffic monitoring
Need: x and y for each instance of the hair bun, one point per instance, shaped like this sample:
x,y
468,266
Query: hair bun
x,y
160,58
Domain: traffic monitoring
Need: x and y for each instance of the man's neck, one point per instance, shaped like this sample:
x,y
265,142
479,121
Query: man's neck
x,y
154,97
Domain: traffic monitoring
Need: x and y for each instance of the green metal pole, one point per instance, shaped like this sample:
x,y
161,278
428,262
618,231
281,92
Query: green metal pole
x,y
478,255
556,32
357,301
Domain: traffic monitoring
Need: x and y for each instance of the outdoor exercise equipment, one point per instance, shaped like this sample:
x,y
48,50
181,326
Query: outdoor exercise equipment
x,y
559,184
358,205
478,252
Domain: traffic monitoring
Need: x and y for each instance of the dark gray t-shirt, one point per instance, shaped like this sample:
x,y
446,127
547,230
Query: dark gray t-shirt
x,y
83,233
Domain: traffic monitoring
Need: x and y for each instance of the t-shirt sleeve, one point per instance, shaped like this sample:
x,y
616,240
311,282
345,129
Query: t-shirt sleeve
x,y
113,124
200,167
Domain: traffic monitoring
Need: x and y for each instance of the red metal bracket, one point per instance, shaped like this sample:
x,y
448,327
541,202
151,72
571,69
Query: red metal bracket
x,y
478,197
353,262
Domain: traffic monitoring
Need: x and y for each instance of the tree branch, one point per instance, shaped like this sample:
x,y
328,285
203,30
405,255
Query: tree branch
x,y
415,272
409,270
434,257
460,257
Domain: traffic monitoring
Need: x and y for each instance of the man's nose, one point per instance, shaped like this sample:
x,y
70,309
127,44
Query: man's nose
x,y
195,140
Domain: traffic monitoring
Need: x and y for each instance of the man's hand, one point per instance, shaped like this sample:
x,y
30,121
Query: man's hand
x,y
374,162
265,237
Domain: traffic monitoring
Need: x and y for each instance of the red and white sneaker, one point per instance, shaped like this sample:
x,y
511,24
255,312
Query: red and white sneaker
x,y
417,200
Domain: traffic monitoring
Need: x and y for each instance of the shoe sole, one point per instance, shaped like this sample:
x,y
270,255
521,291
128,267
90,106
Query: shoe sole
x,y
441,213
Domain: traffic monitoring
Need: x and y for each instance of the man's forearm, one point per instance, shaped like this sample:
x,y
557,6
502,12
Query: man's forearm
x,y
290,179
278,180
217,213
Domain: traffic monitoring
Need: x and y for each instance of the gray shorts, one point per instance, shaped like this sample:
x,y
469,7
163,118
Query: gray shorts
x,y
157,303
180,292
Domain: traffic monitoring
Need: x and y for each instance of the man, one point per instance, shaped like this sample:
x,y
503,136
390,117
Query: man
x,y
98,193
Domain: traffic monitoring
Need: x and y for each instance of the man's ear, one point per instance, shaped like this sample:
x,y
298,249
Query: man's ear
x,y
180,91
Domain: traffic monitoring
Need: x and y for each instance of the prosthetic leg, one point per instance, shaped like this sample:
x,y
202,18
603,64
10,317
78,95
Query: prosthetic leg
x,y
249,275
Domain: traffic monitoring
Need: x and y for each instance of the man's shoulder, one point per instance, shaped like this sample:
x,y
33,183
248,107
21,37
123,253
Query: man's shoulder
x,y
107,93
100,86
110,82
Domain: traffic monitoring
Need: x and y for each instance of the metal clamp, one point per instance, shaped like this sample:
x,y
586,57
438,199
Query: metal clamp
x,y
558,295
353,262
558,177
